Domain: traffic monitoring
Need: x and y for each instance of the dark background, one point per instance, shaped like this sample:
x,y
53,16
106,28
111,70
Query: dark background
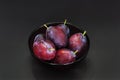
x,y
101,19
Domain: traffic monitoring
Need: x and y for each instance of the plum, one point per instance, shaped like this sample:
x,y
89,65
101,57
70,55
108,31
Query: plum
x,y
65,56
43,49
58,34
77,42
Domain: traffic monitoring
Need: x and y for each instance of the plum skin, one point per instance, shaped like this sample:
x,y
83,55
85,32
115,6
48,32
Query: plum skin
x,y
58,34
42,48
77,41
64,56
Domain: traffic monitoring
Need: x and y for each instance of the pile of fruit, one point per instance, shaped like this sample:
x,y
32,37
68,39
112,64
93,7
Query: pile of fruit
x,y
57,46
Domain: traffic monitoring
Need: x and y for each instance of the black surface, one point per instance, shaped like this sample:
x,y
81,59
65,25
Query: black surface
x,y
101,19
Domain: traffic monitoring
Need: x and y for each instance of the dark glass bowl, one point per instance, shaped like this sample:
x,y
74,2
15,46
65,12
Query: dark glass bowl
x,y
73,30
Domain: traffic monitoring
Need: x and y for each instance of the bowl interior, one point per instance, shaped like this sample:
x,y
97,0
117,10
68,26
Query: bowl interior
x,y
73,30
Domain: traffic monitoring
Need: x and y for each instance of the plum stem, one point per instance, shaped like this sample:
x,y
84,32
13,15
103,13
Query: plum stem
x,y
75,51
45,26
51,49
65,21
84,33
